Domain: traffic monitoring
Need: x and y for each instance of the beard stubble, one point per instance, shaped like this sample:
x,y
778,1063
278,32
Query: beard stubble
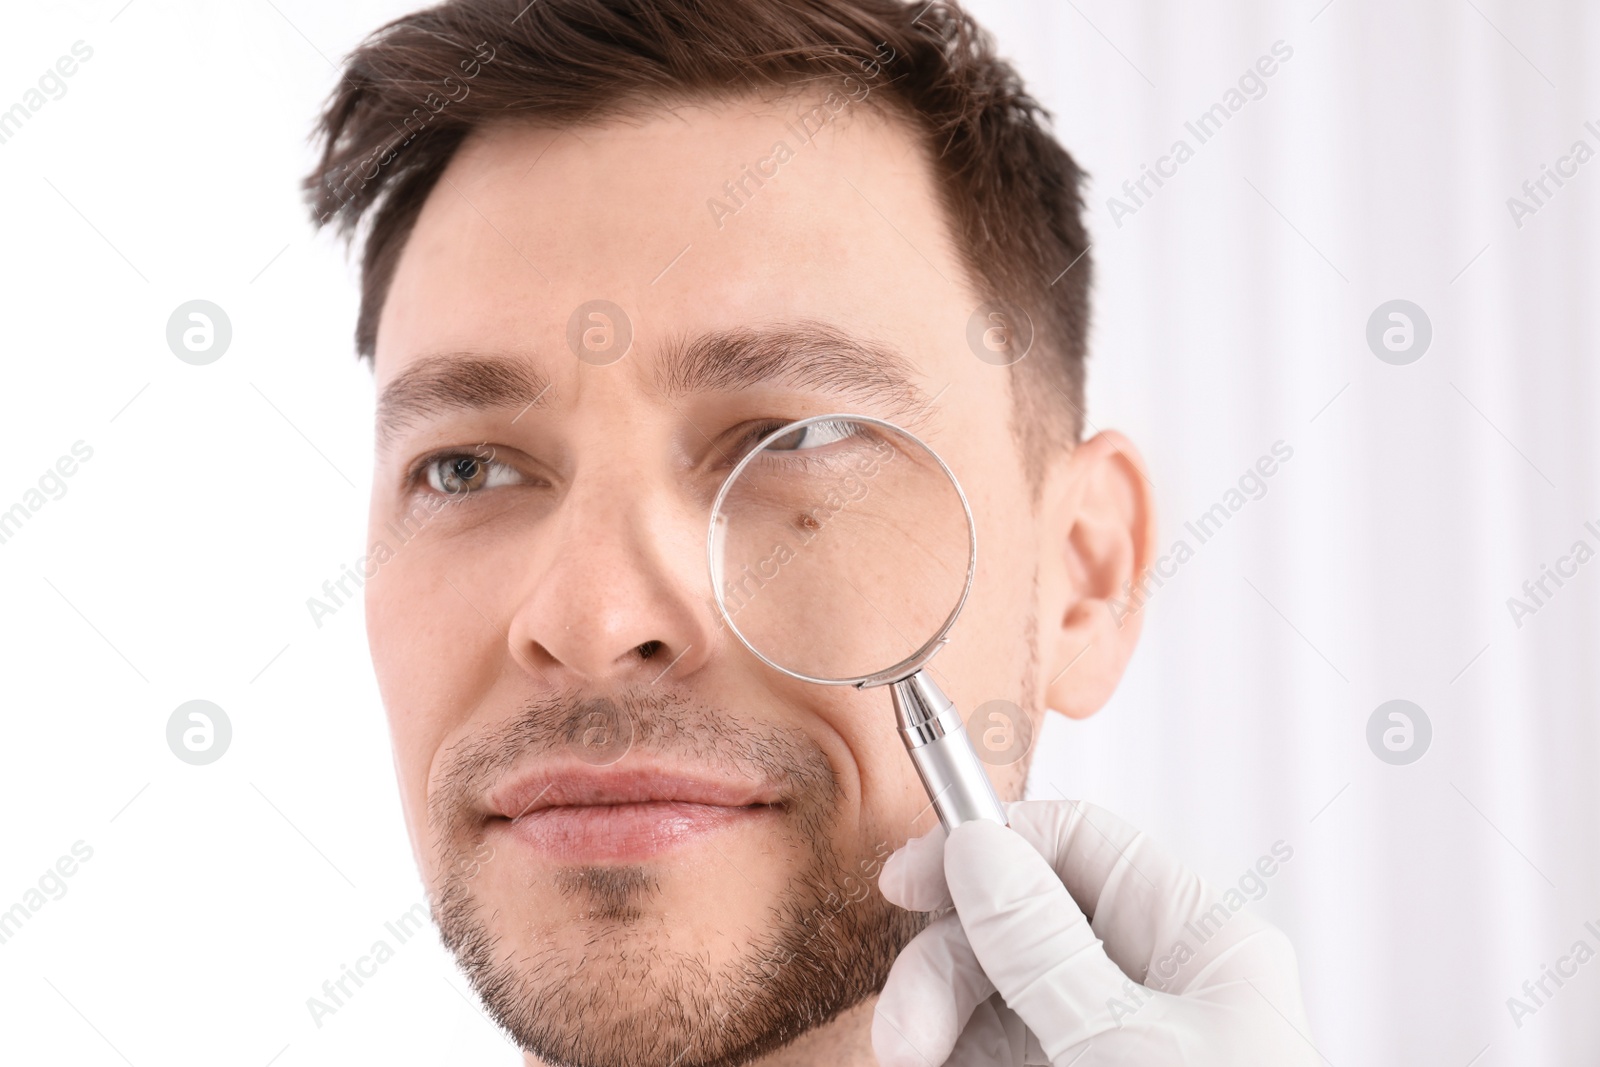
x,y
828,943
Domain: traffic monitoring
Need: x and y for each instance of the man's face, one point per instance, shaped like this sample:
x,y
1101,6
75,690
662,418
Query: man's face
x,y
642,842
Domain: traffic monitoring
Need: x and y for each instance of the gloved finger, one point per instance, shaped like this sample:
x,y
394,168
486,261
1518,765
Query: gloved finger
x,y
913,877
1030,936
1159,921
993,1037
932,990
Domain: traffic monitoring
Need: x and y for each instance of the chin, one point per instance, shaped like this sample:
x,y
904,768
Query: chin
x,y
679,961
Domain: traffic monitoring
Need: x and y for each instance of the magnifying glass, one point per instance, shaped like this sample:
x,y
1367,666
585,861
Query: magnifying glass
x,y
841,551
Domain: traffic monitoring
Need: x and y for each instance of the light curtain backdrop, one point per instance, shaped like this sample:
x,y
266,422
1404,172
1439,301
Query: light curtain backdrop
x,y
1231,314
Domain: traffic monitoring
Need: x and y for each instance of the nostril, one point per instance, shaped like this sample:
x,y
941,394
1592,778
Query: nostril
x,y
648,649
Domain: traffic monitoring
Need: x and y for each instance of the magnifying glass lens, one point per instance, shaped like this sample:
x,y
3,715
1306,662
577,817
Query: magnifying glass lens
x,y
840,549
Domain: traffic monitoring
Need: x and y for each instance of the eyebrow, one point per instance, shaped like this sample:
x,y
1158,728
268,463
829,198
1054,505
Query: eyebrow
x,y
457,382
805,355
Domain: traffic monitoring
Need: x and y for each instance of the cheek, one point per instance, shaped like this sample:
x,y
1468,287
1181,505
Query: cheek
x,y
898,806
880,795
989,660
990,639
435,659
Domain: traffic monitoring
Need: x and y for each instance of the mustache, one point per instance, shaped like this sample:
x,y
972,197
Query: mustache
x,y
605,729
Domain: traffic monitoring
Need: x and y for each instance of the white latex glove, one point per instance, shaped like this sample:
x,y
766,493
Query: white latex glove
x,y
1018,975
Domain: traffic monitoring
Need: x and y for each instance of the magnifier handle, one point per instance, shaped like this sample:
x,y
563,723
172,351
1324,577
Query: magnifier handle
x,y
936,738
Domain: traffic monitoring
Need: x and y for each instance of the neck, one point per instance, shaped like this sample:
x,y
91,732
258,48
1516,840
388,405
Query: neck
x,y
845,1042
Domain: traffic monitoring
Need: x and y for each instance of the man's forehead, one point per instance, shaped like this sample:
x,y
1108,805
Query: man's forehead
x,y
700,219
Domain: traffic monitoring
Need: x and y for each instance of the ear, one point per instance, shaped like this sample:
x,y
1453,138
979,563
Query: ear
x,y
1099,537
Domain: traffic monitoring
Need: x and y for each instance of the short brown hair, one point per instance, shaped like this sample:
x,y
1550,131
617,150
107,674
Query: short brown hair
x,y
1011,193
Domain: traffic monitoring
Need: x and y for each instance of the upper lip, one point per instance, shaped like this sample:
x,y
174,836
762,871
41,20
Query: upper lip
x,y
537,788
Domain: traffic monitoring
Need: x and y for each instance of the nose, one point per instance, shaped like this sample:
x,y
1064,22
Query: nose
x,y
621,595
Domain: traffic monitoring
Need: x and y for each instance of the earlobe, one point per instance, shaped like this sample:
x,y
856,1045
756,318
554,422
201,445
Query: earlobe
x,y
1098,540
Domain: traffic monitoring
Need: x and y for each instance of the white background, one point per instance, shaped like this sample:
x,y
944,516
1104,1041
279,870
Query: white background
x,y
1231,312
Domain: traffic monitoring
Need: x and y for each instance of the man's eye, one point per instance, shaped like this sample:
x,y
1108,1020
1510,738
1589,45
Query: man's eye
x,y
460,473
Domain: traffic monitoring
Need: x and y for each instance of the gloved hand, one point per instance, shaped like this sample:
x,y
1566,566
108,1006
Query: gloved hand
x,y
1018,975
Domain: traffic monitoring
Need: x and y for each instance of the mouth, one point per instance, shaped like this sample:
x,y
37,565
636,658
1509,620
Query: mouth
x,y
596,815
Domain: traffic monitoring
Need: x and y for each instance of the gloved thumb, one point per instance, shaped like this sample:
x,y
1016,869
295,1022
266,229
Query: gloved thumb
x,y
1034,942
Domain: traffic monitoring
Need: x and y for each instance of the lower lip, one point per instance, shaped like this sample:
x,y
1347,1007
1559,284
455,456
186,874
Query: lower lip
x,y
620,832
